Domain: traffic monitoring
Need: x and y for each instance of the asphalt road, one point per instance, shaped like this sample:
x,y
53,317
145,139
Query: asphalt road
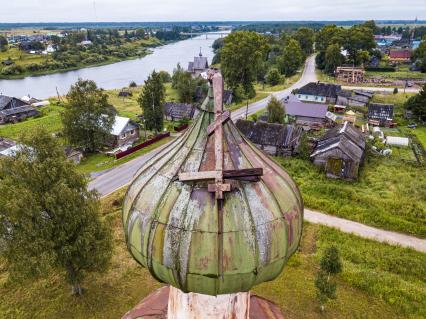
x,y
122,175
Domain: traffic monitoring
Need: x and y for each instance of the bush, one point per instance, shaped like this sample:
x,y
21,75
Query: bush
x,y
132,84
12,70
273,77
380,68
165,77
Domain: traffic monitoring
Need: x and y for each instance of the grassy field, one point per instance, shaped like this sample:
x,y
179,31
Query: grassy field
x,y
49,120
388,194
388,281
99,162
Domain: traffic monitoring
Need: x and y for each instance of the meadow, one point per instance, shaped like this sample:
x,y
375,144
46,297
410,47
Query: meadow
x,y
378,281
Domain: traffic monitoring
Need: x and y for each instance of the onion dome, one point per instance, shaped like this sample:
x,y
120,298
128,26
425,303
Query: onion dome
x,y
211,213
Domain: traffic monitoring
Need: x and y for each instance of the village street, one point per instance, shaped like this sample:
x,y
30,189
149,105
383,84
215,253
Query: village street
x,y
121,176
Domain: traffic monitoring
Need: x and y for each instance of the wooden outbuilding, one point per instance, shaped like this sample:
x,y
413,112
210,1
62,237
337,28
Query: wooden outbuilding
x,y
274,139
340,152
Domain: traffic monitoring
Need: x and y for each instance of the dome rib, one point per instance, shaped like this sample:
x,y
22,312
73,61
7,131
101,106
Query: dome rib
x,y
201,216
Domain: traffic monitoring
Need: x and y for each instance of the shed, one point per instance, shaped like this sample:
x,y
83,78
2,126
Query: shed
x,y
340,152
178,111
274,139
380,113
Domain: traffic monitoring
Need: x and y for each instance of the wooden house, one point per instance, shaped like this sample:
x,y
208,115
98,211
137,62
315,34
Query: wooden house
x,y
274,139
380,114
340,152
317,92
124,131
13,110
402,56
309,115
178,111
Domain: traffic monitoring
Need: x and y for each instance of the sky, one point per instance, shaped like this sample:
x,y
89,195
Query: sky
x,y
201,10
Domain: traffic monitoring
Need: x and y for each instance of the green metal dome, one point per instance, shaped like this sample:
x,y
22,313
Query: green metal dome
x,y
215,238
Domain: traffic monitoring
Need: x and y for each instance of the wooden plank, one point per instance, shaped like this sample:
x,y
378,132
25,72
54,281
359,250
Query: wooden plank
x,y
247,172
222,119
219,188
198,176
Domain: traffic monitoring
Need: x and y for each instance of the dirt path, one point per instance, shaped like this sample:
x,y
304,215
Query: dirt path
x,y
348,226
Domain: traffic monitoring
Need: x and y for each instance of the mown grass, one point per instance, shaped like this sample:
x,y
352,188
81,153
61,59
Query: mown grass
x,y
49,120
389,193
378,281
98,162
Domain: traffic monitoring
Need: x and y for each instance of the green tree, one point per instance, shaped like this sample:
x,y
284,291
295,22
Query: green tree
x,y
333,58
330,265
88,118
291,59
275,111
186,87
420,56
151,101
242,53
49,221
177,72
273,77
327,36
417,104
305,37
359,38
3,44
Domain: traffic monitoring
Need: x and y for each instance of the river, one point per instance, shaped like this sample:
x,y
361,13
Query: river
x,y
115,75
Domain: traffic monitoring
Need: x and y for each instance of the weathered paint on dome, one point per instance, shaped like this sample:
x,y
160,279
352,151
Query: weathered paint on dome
x,y
172,228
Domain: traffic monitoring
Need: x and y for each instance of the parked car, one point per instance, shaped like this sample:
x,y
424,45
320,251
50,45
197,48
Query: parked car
x,y
412,125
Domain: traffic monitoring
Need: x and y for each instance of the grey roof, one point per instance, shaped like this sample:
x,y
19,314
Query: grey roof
x,y
18,110
380,111
179,110
320,89
8,102
296,108
200,63
263,133
345,137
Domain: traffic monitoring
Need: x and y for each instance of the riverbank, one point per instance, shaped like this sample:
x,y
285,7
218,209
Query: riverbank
x,y
30,65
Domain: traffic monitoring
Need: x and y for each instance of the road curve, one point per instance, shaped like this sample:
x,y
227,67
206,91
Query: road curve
x,y
120,176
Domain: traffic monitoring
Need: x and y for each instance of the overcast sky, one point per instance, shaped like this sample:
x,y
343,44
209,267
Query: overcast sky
x,y
201,10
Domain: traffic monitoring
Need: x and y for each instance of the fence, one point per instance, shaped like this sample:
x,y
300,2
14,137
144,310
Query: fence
x,y
143,145
181,128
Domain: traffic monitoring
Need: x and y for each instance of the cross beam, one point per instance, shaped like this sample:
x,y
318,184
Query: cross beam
x,y
247,174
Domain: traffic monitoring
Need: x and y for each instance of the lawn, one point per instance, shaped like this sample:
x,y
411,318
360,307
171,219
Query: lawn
x,y
388,281
49,119
388,194
99,162
129,106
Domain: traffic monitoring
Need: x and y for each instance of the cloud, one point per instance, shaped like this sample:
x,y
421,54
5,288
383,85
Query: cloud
x,y
201,10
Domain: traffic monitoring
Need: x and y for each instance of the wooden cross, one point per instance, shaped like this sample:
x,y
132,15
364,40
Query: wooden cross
x,y
219,175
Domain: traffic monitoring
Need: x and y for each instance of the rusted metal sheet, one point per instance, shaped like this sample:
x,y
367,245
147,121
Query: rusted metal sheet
x,y
218,239
155,306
